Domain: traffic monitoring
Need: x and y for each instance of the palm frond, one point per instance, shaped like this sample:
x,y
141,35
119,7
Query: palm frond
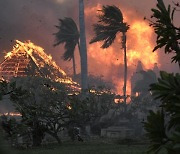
x,y
110,23
69,50
68,35
111,14
167,33
155,130
168,91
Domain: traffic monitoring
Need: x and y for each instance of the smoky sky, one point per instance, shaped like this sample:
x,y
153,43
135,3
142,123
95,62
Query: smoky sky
x,y
35,20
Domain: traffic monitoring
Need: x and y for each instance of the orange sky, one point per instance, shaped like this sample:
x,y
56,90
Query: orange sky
x,y
34,20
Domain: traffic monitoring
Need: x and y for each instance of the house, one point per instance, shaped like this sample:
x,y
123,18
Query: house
x,y
117,132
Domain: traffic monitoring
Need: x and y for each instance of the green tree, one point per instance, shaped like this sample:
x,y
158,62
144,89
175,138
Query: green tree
x,y
69,35
83,48
110,23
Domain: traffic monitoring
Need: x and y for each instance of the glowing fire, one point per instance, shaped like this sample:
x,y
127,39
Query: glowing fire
x,y
33,50
12,114
29,47
109,62
69,107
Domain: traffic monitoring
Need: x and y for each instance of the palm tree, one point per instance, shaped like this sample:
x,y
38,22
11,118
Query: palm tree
x,y
83,48
110,24
68,34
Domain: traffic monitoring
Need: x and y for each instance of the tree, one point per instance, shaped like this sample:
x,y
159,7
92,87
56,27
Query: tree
x,y
168,35
43,107
6,88
167,90
88,111
156,130
96,82
69,35
110,23
83,48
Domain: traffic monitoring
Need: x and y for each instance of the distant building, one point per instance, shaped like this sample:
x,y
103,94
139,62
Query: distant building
x,y
117,132
137,76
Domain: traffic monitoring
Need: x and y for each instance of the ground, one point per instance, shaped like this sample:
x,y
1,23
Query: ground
x,y
83,148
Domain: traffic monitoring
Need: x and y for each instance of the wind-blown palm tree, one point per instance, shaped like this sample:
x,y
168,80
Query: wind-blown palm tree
x,y
68,35
83,48
110,24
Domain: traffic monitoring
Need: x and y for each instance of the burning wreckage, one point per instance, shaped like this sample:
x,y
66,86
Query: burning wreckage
x,y
27,59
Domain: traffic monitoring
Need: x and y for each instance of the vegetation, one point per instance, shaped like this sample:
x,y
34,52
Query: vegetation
x,y
168,35
5,88
69,35
47,107
110,23
96,83
163,126
43,106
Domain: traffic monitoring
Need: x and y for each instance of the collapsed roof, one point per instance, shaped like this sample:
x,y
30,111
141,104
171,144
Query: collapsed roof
x,y
27,59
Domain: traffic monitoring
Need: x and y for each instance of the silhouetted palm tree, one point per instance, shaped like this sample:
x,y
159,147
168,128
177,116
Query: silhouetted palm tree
x,y
83,48
68,34
111,23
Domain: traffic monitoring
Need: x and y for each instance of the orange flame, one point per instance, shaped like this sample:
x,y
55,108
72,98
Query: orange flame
x,y
11,114
32,50
109,62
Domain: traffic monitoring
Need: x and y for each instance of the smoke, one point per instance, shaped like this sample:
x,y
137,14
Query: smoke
x,y
32,20
35,19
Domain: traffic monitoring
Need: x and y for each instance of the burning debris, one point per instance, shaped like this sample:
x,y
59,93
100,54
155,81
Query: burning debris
x,y
11,114
27,59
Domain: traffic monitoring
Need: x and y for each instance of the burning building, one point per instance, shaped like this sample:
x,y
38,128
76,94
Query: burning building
x,y
27,59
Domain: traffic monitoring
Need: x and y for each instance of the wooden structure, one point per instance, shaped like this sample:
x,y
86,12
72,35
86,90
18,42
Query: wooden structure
x,y
27,59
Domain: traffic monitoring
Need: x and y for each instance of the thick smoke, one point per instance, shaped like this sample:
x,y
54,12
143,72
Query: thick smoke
x,y
35,19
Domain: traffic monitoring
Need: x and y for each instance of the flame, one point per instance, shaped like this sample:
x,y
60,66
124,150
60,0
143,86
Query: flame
x,y
43,59
69,107
143,49
9,54
12,114
110,62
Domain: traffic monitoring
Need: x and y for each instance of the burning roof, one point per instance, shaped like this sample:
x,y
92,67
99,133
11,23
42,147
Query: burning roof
x,y
28,59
